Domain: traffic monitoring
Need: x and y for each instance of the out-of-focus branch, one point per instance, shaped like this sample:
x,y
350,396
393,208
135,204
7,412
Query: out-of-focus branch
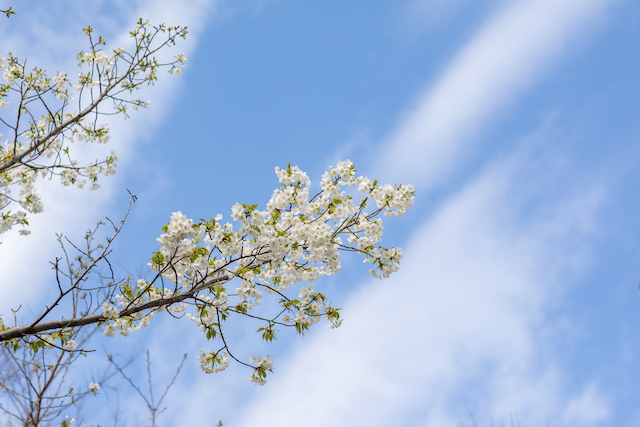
x,y
152,405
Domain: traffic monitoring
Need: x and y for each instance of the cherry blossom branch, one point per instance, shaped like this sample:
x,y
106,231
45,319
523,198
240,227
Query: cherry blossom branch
x,y
32,329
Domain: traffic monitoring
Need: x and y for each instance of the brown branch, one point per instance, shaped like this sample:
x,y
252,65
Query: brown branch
x,y
87,269
58,129
22,331
105,93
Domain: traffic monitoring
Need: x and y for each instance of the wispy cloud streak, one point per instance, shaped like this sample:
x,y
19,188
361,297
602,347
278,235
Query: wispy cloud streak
x,y
461,322
506,57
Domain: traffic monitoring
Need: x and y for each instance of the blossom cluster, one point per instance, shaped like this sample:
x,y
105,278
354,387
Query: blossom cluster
x,y
29,144
46,125
299,237
126,324
213,362
263,364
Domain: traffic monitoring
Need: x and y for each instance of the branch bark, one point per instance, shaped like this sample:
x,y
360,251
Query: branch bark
x,y
32,329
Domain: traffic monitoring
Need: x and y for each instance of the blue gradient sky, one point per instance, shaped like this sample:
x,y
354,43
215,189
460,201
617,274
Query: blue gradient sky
x,y
516,120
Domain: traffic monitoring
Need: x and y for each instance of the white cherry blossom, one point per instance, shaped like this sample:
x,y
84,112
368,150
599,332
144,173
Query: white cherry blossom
x,y
297,238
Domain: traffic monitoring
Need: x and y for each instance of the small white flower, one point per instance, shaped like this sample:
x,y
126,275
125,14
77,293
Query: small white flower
x,y
337,324
237,212
110,331
101,58
8,76
70,345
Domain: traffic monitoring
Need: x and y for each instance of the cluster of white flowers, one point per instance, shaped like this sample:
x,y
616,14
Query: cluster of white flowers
x,y
49,136
23,174
99,57
293,232
211,363
100,134
177,69
263,364
135,322
93,387
12,72
205,318
70,345
8,220
49,341
28,198
60,83
125,325
109,310
296,239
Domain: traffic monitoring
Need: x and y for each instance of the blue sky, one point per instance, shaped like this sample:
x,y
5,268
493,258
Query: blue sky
x,y
517,121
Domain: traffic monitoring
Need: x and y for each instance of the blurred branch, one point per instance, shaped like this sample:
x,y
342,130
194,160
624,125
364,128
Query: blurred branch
x,y
152,405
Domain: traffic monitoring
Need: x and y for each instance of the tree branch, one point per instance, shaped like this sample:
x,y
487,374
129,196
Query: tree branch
x,y
22,331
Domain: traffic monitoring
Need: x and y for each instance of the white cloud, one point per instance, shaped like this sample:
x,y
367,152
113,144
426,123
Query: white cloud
x,y
419,15
463,321
464,315
590,406
505,57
